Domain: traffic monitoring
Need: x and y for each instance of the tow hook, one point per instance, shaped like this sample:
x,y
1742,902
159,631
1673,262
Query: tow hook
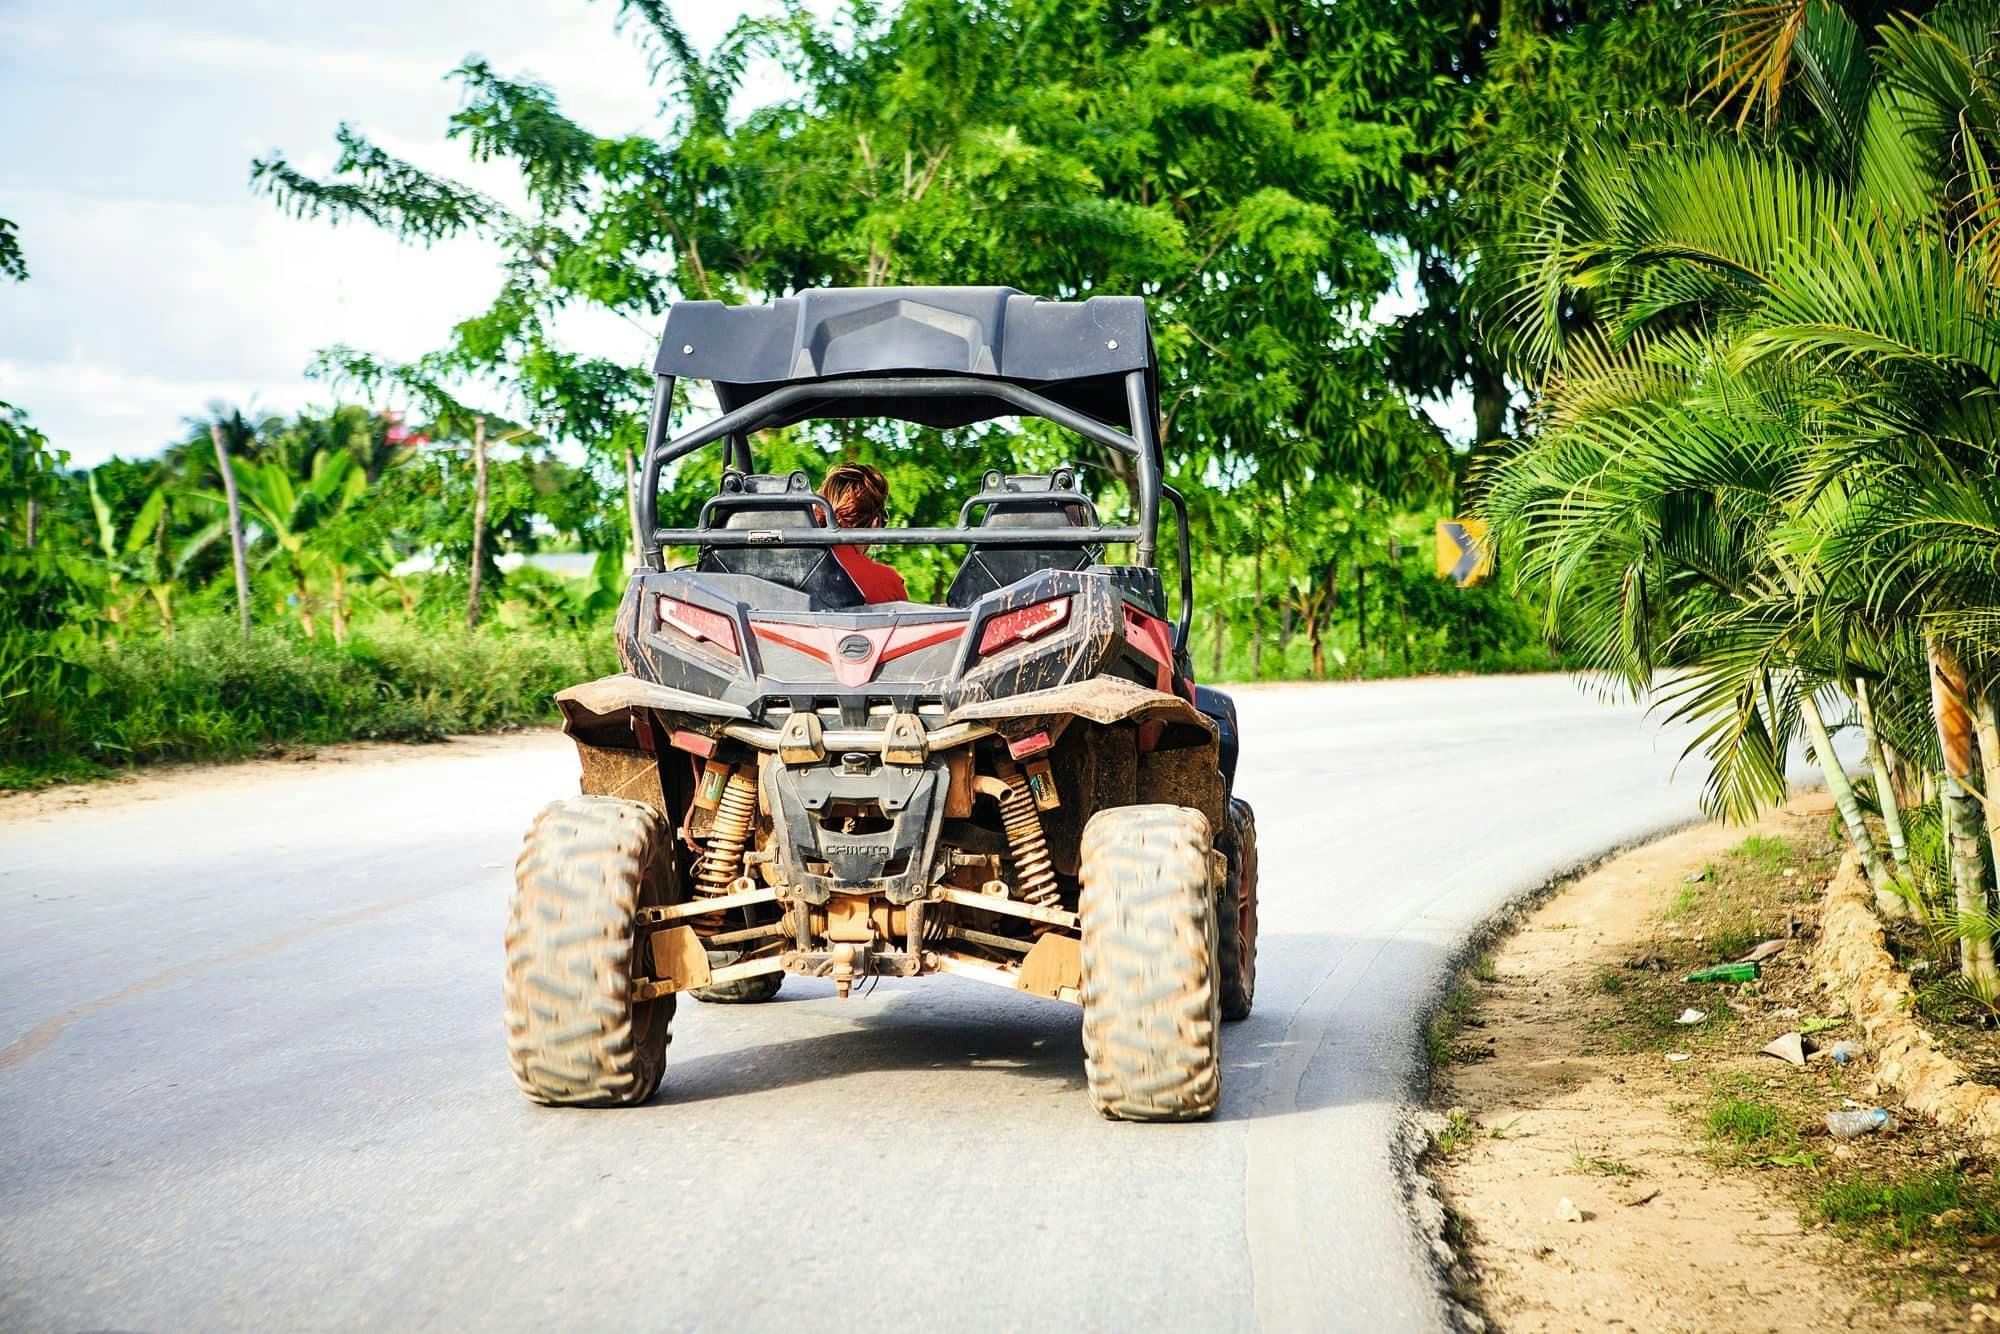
x,y
850,961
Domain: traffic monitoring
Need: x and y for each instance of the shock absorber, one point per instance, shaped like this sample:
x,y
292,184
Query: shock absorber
x,y
1028,846
722,857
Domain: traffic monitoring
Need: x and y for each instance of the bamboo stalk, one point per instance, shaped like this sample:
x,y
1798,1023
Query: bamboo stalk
x,y
1971,892
1844,799
1887,902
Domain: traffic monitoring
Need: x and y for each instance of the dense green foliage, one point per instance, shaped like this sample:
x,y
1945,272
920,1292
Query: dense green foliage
x,y
1767,455
210,693
1262,172
118,642
1304,194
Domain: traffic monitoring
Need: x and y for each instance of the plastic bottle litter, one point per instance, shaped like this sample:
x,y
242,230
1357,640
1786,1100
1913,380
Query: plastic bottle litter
x,y
1853,1125
1726,972
1842,1052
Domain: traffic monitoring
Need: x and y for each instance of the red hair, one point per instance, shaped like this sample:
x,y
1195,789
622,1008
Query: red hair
x,y
857,493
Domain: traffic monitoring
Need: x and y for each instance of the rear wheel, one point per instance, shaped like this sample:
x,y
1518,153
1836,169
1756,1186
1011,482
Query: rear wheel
x,y
574,1034
1238,912
1151,1041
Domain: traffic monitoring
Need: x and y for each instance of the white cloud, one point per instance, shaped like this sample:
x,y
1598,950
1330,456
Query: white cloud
x,y
132,301
128,45
159,283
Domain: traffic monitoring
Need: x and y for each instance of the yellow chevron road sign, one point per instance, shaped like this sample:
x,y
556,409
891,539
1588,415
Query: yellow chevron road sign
x,y
1464,556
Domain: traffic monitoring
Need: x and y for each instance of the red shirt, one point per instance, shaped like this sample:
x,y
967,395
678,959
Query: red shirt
x,y
877,582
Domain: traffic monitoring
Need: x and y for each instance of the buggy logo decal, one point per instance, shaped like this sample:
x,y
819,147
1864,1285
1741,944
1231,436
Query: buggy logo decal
x,y
856,648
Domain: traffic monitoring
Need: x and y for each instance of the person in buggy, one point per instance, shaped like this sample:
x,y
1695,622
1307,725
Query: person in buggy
x,y
859,495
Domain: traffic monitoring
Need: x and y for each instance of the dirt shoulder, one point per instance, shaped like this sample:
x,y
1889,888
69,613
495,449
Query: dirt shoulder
x,y
1605,1164
162,780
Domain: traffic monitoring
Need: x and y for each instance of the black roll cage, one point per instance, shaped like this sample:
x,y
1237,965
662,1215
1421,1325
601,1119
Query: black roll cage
x,y
1142,446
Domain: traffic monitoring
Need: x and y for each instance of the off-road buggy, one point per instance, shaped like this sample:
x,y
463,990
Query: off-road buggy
x,y
1022,786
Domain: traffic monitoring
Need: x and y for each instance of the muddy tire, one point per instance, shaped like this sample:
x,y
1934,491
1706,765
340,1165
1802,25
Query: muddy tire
x,y
1152,1047
1238,913
748,991
574,1036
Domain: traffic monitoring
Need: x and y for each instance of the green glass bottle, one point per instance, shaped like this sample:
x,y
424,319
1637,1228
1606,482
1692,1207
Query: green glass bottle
x,y
1726,972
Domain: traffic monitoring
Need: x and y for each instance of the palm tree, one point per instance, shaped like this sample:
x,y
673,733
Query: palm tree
x,y
229,436
1769,408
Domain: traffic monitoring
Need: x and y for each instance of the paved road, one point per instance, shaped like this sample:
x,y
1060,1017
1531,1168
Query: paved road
x,y
251,1069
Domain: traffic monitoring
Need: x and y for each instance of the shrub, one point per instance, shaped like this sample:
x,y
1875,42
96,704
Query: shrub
x,y
210,693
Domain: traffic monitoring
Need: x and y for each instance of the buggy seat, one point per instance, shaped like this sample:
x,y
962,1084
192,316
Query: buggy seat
x,y
1022,500
771,500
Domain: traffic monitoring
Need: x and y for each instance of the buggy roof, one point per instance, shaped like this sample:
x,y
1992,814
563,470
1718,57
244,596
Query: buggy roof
x,y
1076,353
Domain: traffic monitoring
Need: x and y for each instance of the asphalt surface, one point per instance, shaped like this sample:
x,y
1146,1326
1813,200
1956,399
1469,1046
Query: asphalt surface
x,y
252,1071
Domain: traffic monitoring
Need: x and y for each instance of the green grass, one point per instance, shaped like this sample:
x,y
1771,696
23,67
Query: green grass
x,y
1609,981
1747,1123
1939,1208
1483,969
1749,1129
1685,901
1447,1022
1458,1128
1734,937
209,693
1604,1167
1766,853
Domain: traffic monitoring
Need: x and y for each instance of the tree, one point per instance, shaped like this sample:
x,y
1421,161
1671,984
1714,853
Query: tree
x,y
1171,158
425,383
158,556
226,429
13,264
30,473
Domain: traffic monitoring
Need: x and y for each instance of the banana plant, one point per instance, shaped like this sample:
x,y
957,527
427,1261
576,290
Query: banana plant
x,y
290,513
160,560
118,550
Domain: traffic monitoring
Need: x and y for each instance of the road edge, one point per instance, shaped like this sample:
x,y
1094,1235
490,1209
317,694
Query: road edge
x,y
1853,966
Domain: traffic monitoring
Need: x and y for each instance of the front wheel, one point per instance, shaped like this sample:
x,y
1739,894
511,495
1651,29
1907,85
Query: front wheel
x,y
574,1034
1152,1047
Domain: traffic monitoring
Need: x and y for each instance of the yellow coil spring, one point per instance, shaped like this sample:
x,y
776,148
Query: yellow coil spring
x,y
722,859
1034,876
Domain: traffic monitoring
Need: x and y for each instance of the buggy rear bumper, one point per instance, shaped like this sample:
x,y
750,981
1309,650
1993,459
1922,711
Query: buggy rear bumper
x,y
599,711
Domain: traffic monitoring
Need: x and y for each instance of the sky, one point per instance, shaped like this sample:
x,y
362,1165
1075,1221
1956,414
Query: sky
x,y
158,283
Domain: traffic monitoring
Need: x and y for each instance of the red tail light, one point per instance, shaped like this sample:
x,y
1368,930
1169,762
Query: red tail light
x,y
699,623
1014,627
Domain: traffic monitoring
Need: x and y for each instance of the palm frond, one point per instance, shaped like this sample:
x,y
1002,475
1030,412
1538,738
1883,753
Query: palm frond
x,y
1753,58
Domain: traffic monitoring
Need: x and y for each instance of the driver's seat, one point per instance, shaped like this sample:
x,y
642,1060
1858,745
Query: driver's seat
x,y
771,501
1023,500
